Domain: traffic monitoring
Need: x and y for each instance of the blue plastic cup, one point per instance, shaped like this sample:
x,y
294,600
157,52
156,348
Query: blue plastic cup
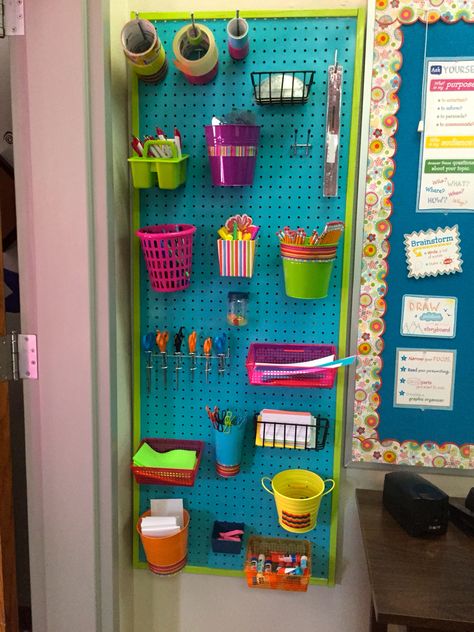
x,y
229,450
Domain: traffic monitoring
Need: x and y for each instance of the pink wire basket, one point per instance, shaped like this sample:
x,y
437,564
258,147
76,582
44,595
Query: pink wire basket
x,y
287,354
168,252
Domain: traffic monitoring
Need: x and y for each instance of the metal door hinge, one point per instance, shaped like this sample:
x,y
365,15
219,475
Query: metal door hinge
x,y
12,19
18,357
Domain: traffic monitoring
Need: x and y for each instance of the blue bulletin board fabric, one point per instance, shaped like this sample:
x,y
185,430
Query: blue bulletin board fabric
x,y
412,424
286,191
383,434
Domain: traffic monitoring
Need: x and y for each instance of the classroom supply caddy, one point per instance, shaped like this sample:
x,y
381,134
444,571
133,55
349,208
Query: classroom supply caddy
x,y
272,562
286,188
168,173
297,495
232,151
266,365
168,253
166,555
168,476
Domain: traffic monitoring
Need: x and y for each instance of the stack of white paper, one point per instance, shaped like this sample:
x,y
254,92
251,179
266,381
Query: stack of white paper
x,y
166,517
160,526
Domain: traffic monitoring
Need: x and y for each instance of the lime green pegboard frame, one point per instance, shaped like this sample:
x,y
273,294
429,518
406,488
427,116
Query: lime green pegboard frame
x,y
359,15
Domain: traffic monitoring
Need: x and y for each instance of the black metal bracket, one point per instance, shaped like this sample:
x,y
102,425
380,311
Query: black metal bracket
x,y
280,88
311,442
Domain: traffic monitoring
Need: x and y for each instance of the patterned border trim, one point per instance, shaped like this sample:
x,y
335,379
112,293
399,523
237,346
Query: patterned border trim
x,y
366,445
233,151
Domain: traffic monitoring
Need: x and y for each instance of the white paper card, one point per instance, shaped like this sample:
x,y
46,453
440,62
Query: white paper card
x,y
159,521
424,378
432,316
433,252
290,434
158,531
168,507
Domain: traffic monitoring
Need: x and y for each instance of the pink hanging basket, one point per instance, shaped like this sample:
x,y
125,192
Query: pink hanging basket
x,y
168,252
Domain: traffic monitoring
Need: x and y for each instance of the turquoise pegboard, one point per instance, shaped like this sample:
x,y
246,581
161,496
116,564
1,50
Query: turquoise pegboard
x,y
287,191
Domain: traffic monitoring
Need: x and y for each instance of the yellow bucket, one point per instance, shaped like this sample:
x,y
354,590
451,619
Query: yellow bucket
x,y
297,496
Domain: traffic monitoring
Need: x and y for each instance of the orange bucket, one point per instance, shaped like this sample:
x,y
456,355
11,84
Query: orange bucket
x,y
166,555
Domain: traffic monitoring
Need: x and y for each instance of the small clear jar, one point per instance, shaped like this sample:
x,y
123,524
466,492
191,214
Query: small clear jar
x,y
237,305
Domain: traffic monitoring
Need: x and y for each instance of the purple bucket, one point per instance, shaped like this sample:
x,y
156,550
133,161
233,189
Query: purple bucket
x,y
232,151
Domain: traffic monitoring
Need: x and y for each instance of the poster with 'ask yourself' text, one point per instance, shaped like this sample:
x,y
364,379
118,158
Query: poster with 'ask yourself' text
x,y
446,175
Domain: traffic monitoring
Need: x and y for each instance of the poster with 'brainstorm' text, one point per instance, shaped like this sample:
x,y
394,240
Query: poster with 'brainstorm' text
x,y
446,178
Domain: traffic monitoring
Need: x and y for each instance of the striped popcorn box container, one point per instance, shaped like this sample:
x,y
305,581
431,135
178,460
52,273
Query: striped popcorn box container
x,y
236,258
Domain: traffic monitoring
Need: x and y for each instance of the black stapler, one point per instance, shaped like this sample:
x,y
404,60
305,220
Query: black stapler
x,y
463,515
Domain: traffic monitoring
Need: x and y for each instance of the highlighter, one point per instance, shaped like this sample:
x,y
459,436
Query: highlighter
x,y
224,233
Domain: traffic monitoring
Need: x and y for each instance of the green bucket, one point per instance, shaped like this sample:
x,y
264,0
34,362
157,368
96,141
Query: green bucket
x,y
307,279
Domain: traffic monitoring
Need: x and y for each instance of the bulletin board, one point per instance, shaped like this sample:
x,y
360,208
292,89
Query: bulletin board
x,y
384,433
287,190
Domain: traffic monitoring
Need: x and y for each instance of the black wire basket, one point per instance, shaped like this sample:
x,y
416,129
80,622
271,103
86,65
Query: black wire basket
x,y
282,87
269,434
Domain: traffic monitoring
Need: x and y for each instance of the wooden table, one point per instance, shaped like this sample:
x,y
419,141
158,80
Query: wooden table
x,y
425,584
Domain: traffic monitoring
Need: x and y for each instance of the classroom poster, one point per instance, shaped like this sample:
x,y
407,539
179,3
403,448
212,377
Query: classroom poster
x,y
446,173
432,252
431,316
424,378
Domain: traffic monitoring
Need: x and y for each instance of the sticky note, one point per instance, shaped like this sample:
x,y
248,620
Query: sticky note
x,y
175,459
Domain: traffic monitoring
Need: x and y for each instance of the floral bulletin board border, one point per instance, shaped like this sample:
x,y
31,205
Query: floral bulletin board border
x,y
391,16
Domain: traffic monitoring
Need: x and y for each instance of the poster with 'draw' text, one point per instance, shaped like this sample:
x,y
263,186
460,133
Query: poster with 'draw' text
x,y
446,177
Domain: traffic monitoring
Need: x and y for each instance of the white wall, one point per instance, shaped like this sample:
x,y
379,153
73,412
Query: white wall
x,y
64,291
119,14
202,603
10,262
